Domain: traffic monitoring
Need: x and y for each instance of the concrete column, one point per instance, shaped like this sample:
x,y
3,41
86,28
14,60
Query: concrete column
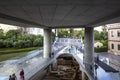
x,y
89,50
56,34
47,43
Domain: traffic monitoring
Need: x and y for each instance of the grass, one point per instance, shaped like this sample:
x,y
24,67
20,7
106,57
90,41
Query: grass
x,y
16,50
4,57
12,53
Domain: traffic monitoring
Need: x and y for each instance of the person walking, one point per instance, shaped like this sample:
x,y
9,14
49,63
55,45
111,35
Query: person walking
x,y
13,77
22,74
10,77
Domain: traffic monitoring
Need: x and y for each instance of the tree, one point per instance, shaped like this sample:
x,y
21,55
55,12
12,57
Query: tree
x,y
62,33
8,43
38,42
104,33
71,33
13,34
1,34
76,34
1,43
80,34
19,44
96,35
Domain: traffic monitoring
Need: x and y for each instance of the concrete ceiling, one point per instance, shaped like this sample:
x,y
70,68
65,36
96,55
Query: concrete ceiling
x,y
59,13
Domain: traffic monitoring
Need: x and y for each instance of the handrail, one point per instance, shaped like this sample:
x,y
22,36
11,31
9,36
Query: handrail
x,y
83,67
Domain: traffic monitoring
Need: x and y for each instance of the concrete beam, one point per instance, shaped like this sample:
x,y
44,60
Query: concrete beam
x,y
17,21
105,18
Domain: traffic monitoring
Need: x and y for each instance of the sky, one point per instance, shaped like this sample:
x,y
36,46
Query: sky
x,y
6,27
99,28
96,28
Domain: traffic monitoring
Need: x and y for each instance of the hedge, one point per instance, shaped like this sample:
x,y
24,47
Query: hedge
x,y
101,49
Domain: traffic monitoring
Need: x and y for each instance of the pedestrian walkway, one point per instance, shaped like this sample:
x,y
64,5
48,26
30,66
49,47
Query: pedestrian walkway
x,y
41,63
14,66
31,65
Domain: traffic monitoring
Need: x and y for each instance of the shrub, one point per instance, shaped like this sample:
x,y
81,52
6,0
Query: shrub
x,y
38,42
1,43
22,44
19,44
105,42
101,49
8,43
27,43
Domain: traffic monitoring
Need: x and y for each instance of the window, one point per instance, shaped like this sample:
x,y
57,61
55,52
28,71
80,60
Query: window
x,y
118,33
112,46
112,34
118,46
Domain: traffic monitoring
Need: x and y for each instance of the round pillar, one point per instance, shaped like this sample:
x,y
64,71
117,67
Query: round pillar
x,y
47,43
89,50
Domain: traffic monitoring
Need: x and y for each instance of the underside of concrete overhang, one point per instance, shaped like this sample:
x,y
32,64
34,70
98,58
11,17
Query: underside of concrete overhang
x,y
59,13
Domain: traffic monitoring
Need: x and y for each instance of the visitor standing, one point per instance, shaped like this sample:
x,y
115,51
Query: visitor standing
x,y
10,77
13,77
22,74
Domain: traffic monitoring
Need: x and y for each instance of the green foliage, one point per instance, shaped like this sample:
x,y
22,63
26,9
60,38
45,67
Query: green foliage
x,y
22,44
1,43
80,34
96,35
105,42
25,37
13,34
38,42
10,53
27,43
10,34
15,39
19,44
1,34
71,33
101,49
14,50
8,43
104,33
63,33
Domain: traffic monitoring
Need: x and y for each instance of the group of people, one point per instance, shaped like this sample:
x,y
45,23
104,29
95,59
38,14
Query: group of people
x,y
13,76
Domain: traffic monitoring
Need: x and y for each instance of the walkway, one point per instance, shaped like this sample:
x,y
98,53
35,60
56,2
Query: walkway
x,y
39,63
14,66
33,59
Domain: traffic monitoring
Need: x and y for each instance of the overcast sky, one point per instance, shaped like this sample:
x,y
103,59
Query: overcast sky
x,y
99,28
